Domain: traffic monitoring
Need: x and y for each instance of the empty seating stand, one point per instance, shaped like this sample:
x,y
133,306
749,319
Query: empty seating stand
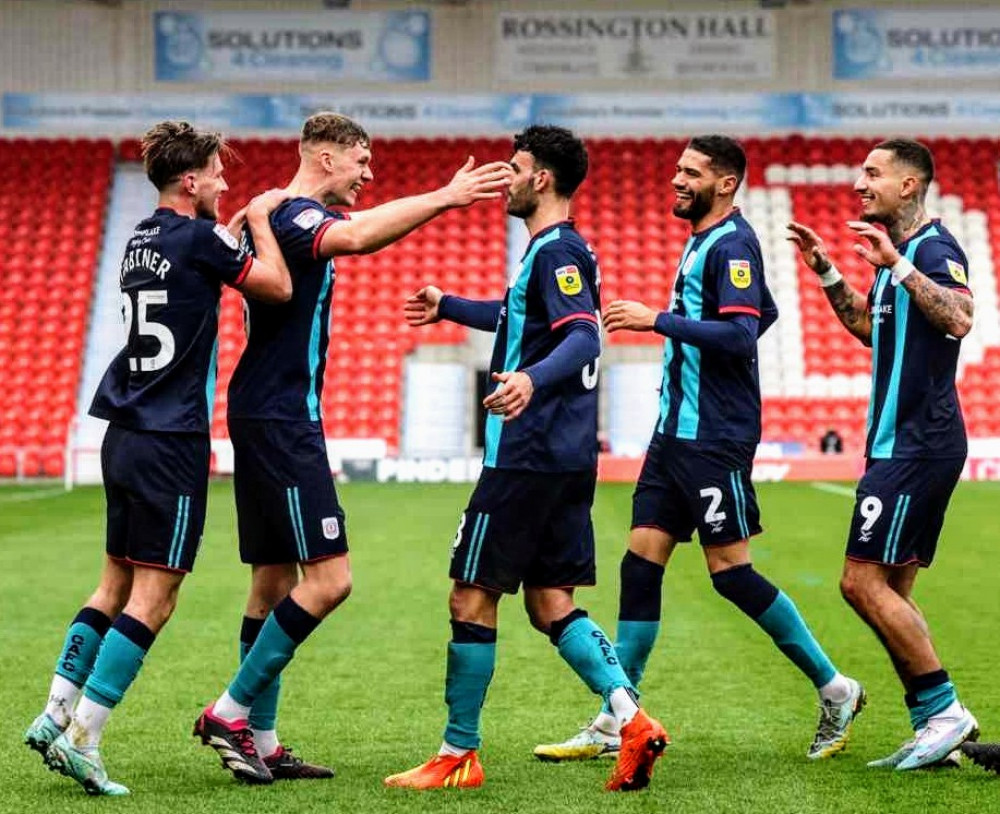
x,y
53,195
814,375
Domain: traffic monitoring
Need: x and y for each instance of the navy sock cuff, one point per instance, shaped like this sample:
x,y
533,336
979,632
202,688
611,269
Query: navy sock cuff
x,y
93,618
135,631
250,630
641,589
927,681
471,633
295,620
558,627
746,589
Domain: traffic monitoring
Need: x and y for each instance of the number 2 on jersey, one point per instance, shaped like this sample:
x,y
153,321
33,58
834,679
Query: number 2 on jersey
x,y
148,327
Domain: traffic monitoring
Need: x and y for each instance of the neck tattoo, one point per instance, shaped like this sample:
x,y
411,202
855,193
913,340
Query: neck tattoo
x,y
909,220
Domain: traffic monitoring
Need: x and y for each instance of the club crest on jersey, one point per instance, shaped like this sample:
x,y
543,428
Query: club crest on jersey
x,y
331,528
568,278
307,218
739,273
225,236
957,272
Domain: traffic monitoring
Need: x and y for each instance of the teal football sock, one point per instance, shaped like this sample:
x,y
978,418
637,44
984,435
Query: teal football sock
x,y
285,628
586,649
471,659
930,694
788,629
634,643
639,603
264,712
118,661
83,641
779,618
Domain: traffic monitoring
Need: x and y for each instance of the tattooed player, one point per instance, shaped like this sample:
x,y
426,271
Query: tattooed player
x,y
913,318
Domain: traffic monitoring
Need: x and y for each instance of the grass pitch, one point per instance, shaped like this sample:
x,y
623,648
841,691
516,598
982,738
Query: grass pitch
x,y
365,693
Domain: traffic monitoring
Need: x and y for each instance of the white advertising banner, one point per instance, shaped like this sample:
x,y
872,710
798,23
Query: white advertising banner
x,y
916,43
391,46
565,45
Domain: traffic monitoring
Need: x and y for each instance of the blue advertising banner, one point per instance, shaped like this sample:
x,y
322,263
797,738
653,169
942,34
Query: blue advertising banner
x,y
648,113
917,43
131,113
443,114
406,114
392,46
903,112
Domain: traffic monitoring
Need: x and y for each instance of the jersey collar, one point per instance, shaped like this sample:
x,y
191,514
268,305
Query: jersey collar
x,y
734,213
570,222
932,223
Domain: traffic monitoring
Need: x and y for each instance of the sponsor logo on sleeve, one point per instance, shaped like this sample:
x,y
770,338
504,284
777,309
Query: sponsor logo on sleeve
x,y
331,526
223,234
568,278
307,218
739,273
957,272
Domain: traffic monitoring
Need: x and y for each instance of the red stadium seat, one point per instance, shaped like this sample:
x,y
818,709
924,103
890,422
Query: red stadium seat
x,y
53,275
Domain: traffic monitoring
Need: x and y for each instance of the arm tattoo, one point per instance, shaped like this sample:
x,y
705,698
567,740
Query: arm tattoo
x,y
851,309
948,310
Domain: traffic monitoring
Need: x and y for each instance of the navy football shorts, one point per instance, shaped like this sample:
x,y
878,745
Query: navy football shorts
x,y
899,510
156,485
286,504
688,485
527,527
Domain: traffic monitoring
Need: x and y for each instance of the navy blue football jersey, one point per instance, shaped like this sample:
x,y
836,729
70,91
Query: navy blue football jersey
x,y
557,283
280,374
707,395
171,280
914,410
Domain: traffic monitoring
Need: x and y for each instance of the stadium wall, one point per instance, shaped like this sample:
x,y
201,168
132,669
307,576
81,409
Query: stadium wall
x,y
60,45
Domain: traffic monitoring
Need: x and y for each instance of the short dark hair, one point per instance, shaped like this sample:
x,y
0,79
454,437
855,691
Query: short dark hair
x,y
557,150
170,149
334,128
913,154
726,154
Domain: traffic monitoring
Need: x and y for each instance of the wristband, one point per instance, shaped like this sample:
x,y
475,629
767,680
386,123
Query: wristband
x,y
901,270
830,277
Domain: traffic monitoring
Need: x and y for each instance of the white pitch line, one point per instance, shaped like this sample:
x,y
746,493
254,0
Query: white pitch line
x,y
833,488
38,494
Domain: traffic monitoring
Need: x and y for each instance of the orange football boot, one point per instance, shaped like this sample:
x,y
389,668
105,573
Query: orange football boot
x,y
442,772
643,741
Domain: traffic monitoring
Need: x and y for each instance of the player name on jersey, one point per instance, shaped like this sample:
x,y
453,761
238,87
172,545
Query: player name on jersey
x,y
146,259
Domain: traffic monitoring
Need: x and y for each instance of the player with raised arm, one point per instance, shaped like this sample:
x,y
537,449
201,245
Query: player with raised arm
x,y
528,521
158,395
697,470
288,513
916,312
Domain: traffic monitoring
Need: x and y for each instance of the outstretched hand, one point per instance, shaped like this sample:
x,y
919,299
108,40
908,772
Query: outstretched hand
x,y
512,395
880,251
422,308
810,246
472,183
